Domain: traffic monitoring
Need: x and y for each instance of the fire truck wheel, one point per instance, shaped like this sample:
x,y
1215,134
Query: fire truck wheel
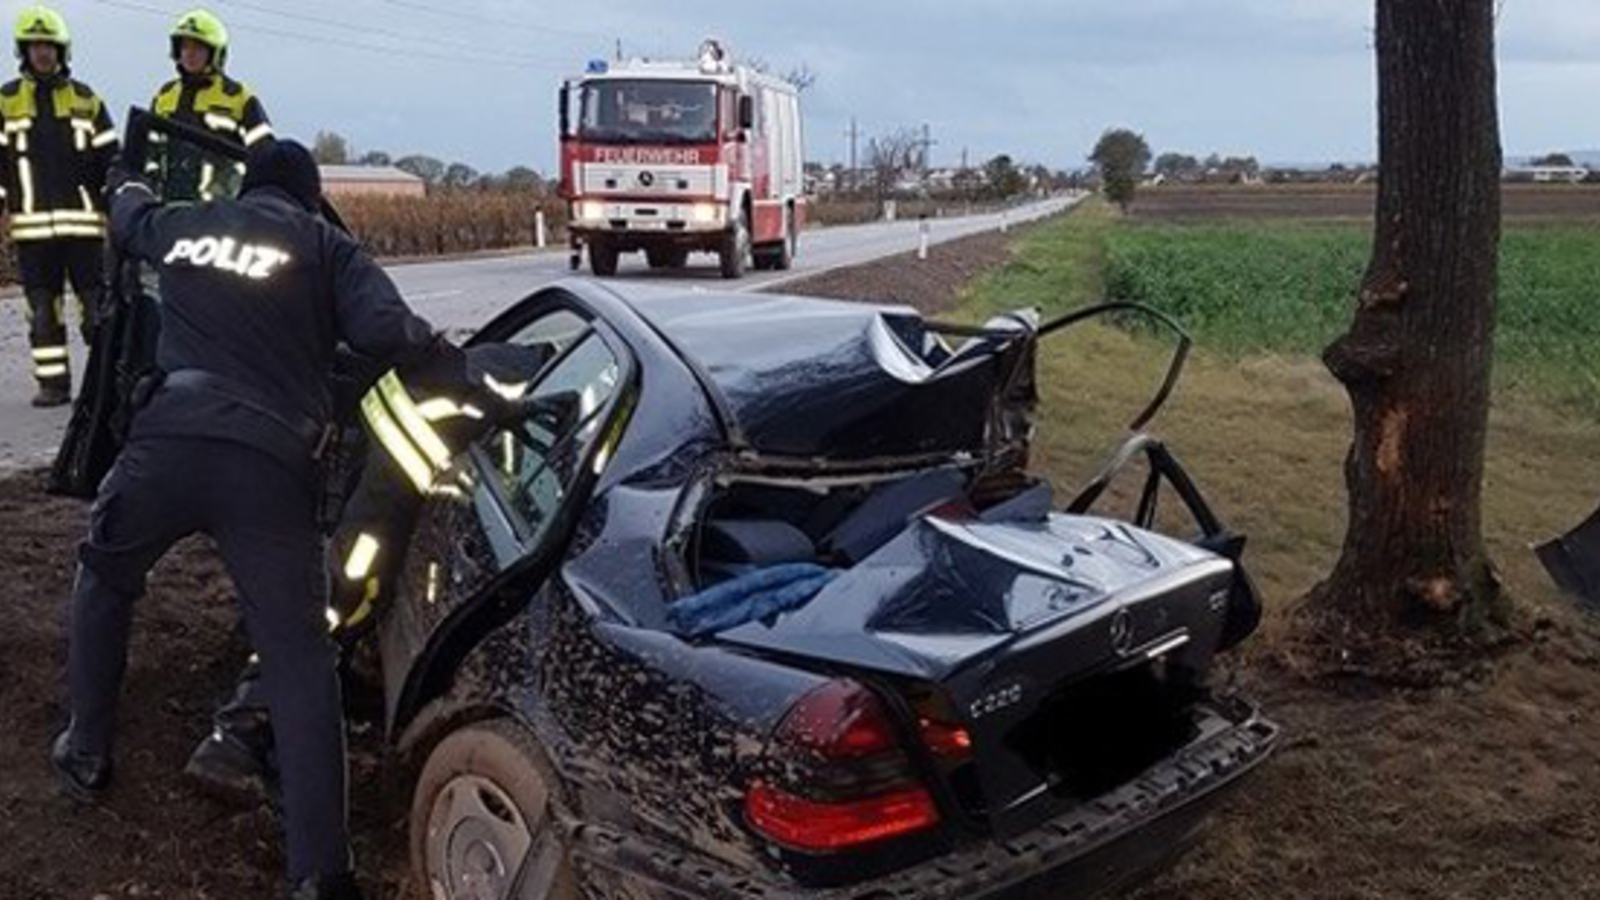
x,y
735,249
602,259
783,259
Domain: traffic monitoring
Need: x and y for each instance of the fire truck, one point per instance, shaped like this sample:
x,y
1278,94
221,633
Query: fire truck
x,y
679,157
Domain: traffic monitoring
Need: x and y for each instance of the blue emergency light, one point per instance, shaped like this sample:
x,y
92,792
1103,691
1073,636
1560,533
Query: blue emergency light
x,y
597,67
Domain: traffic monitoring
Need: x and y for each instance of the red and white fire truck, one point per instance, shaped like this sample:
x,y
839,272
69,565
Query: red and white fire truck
x,y
676,157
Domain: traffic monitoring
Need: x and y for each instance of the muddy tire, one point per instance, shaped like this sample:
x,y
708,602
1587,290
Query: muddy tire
x,y
482,822
602,259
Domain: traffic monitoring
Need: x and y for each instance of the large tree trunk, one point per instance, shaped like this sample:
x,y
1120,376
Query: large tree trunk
x,y
1416,360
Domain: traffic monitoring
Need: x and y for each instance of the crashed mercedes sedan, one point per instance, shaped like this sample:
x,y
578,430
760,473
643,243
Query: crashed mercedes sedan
x,y
760,600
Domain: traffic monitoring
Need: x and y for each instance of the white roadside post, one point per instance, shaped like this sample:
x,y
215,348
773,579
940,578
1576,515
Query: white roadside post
x,y
540,237
1005,220
922,239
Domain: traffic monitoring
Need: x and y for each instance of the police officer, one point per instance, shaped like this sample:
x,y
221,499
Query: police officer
x,y
55,143
256,292
416,419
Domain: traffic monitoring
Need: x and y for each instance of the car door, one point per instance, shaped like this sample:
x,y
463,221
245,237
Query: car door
x,y
497,522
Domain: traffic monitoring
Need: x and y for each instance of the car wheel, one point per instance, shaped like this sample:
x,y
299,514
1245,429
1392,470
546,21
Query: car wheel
x,y
602,259
735,248
482,823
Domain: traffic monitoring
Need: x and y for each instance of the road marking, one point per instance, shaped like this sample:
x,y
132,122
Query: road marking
x,y
432,295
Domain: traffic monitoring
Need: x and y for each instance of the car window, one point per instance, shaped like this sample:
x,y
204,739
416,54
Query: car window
x,y
536,460
179,170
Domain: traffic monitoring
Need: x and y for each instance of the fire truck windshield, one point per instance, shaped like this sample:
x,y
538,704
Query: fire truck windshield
x,y
649,112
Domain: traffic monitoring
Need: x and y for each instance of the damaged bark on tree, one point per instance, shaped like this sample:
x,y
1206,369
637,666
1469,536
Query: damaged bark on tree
x,y
1416,359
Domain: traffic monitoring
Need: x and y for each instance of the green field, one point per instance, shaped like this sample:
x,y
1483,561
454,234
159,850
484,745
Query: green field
x,y
1249,287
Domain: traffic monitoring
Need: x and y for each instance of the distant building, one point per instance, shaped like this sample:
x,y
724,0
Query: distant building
x,y
1547,174
385,181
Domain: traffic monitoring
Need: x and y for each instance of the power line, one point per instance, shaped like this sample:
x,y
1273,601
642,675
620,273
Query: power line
x,y
344,44
456,15
383,32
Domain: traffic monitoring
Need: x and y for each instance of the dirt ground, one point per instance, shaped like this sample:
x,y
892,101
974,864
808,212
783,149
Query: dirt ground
x,y
1487,789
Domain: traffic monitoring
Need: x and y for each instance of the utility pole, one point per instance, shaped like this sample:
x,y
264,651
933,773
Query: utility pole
x,y
853,134
619,49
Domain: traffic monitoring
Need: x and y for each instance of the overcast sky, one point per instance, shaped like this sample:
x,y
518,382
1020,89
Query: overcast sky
x,y
474,80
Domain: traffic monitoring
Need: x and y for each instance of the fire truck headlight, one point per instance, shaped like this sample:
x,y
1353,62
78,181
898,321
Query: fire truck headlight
x,y
591,209
705,212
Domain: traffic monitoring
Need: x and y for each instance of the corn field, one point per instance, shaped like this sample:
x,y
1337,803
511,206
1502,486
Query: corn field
x,y
453,222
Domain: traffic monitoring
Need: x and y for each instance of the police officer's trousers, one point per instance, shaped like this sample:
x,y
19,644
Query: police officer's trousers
x,y
46,267
261,516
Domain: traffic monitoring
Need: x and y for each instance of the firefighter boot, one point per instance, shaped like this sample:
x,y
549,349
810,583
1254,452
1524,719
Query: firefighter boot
x,y
84,776
51,394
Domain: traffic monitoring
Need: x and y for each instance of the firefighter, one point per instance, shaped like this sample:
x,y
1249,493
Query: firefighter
x,y
56,143
204,96
235,760
256,293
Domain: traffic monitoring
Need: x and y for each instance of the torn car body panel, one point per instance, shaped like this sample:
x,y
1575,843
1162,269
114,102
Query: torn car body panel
x,y
1021,667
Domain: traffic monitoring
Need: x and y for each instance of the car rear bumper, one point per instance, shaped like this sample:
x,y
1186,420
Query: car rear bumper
x,y
1099,846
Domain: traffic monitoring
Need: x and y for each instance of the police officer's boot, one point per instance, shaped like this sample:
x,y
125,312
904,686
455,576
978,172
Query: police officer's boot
x,y
52,393
234,763
327,887
84,776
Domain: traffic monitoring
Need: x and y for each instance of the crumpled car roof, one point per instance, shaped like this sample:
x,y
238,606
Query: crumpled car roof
x,y
809,378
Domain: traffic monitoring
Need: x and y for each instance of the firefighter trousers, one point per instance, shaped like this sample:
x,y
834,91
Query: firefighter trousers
x,y
46,268
262,518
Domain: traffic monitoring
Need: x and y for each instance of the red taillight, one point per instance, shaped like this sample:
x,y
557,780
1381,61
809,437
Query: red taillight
x,y
840,720
823,827
839,777
947,741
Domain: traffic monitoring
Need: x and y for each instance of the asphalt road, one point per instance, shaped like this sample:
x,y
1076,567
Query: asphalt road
x,y
459,294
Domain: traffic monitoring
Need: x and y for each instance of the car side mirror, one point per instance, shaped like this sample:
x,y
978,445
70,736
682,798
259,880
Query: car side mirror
x,y
747,112
564,104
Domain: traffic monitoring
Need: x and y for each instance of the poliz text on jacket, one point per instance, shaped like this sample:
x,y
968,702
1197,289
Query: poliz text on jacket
x,y
250,260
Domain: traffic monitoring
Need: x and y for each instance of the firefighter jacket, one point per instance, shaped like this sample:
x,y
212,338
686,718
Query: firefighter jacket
x,y
56,143
216,103
256,294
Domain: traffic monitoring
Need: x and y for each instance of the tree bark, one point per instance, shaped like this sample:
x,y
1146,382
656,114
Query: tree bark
x,y
1416,360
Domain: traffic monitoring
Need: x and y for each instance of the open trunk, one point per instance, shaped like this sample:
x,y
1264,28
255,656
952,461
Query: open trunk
x,y
1072,648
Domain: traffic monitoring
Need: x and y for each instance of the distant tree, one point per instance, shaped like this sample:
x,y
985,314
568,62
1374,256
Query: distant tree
x,y
375,158
1415,574
1003,178
1214,161
890,156
425,167
522,178
1121,156
1553,159
1241,165
1173,164
459,175
330,149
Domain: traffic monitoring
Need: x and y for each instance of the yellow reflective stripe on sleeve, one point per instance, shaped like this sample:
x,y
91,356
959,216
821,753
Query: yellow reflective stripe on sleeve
x,y
220,123
49,354
365,609
445,408
257,133
364,552
104,138
395,442
405,411
25,178
511,392
40,232
53,370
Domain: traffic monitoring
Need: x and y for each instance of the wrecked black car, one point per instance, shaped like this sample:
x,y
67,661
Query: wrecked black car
x,y
760,600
